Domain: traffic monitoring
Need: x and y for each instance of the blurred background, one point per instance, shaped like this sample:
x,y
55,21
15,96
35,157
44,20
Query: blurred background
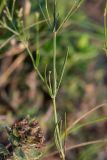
x,y
84,85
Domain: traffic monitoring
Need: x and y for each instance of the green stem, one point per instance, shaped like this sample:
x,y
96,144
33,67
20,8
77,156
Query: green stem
x,y
11,30
55,112
105,27
57,129
54,66
54,98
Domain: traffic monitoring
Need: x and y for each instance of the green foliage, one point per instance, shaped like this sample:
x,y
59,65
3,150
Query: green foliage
x,y
19,154
2,4
26,153
3,152
89,153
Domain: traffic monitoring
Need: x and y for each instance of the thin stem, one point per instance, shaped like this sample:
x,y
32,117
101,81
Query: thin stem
x,y
37,41
105,20
57,129
105,27
50,85
13,7
34,24
6,42
65,136
54,66
55,112
58,137
11,30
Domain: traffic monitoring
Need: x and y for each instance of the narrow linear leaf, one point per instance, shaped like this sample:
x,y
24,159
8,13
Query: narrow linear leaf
x,y
50,84
83,125
73,9
46,82
62,70
37,58
7,41
46,6
86,124
43,13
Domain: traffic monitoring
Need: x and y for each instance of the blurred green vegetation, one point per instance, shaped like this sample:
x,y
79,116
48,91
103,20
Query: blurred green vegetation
x,y
85,37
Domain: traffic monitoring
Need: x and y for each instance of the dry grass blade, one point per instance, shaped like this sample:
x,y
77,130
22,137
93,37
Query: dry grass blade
x,y
85,115
78,146
86,144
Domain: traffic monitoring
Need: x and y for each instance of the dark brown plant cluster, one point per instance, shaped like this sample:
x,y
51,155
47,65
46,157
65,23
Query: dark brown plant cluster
x,y
27,133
